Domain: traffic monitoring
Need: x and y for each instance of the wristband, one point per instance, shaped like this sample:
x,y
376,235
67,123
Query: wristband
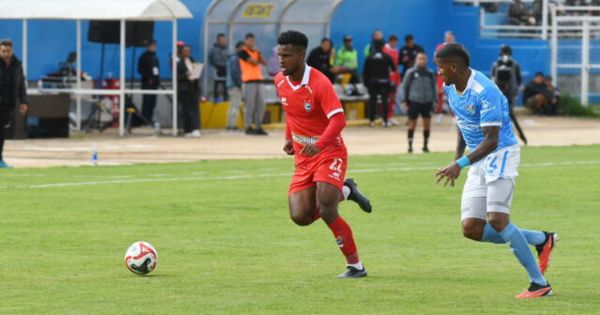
x,y
463,162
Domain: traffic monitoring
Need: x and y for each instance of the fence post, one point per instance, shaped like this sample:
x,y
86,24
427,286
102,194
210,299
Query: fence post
x,y
585,63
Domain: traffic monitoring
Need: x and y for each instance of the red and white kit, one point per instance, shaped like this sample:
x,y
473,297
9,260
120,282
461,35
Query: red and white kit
x,y
314,114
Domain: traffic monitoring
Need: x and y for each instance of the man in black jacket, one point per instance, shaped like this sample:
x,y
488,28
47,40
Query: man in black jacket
x,y
148,68
320,58
376,76
408,53
506,73
13,92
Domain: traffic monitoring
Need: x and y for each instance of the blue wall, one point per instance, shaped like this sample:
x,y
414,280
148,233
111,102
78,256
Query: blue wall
x,y
427,20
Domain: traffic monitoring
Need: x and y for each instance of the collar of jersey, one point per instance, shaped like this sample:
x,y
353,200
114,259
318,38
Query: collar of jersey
x,y
470,83
305,78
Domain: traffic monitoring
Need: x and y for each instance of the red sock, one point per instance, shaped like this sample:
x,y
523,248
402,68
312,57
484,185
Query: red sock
x,y
343,236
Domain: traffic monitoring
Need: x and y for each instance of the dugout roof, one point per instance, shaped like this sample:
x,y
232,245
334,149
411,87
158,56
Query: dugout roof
x,y
93,9
266,19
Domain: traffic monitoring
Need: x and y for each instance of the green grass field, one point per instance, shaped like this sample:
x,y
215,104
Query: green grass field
x,y
227,246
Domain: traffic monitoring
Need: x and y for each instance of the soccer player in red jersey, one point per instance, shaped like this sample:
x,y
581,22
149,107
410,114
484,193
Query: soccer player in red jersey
x,y
314,121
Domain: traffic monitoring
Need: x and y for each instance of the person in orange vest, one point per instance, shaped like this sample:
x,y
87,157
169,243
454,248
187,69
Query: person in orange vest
x,y
254,95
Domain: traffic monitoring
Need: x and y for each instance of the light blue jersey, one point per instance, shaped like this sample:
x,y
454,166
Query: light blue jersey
x,y
481,104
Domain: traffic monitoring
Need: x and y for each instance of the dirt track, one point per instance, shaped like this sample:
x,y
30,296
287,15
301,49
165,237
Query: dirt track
x,y
215,144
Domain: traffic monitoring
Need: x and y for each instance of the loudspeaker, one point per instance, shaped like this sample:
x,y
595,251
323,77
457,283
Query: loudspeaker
x,y
138,34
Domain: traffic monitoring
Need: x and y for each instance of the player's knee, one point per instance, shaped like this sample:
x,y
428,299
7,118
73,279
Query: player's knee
x,y
300,219
498,222
472,231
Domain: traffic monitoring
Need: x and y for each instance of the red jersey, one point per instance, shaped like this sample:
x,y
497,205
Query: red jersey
x,y
308,106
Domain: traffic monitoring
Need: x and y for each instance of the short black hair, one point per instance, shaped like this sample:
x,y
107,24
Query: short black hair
x,y
294,38
249,35
220,35
539,74
152,42
6,42
454,50
392,38
326,39
409,37
378,44
239,44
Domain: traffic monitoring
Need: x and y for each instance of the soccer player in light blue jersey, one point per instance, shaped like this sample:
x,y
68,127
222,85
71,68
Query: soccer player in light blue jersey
x,y
484,127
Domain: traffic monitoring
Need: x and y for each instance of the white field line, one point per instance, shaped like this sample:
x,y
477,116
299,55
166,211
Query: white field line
x,y
252,176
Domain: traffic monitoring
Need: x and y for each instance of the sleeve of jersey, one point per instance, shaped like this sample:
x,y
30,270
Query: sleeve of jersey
x,y
336,123
491,108
329,101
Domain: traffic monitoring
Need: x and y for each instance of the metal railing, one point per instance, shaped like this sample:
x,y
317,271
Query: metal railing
x,y
541,31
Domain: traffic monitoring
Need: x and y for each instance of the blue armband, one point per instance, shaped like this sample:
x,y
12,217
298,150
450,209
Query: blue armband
x,y
463,162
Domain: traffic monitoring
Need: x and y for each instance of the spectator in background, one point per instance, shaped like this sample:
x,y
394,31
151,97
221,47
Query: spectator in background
x,y
346,61
13,91
149,69
419,86
391,49
408,53
370,49
320,58
506,73
188,93
439,110
273,66
254,94
218,57
536,95
552,108
518,14
235,92
376,75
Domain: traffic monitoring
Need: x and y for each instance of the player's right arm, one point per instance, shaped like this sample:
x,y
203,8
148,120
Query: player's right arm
x,y
288,146
461,145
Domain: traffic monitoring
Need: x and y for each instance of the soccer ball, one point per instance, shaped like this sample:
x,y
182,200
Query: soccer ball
x,y
141,258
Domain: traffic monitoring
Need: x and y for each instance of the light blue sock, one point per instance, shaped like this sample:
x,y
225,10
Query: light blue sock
x,y
490,235
532,237
518,244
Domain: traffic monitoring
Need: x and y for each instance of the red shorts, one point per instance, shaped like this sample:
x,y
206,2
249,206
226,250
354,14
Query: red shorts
x,y
327,167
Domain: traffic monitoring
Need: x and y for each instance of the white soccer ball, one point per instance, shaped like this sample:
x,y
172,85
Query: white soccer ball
x,y
141,258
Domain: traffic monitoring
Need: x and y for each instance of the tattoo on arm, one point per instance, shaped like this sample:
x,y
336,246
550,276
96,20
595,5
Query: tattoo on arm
x,y
461,145
489,144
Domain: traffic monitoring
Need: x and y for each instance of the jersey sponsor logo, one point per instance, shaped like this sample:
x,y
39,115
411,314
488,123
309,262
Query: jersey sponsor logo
x,y
307,107
467,126
304,139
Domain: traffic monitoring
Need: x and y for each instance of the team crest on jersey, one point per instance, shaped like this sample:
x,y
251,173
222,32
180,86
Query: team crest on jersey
x,y
307,107
470,108
284,101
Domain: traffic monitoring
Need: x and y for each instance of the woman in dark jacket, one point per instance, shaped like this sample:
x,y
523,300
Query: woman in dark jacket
x,y
188,93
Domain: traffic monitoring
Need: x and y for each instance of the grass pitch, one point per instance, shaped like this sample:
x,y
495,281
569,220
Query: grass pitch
x,y
227,246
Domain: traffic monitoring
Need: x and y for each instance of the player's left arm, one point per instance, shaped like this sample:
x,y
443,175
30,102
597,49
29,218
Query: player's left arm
x,y
490,123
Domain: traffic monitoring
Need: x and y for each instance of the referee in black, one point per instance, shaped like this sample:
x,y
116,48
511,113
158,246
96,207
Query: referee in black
x,y
13,92
419,94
